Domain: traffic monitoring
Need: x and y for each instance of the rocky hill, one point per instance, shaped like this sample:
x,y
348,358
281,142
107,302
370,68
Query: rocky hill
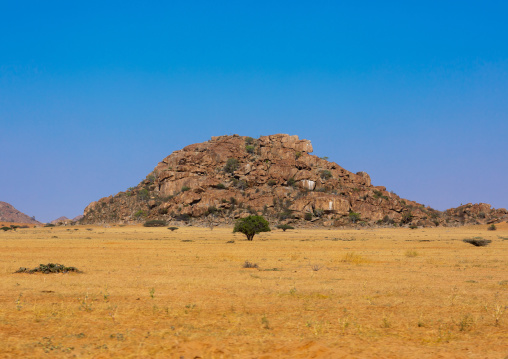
x,y
10,214
229,177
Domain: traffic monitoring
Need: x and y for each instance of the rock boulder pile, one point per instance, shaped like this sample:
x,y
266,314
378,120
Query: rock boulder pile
x,y
230,177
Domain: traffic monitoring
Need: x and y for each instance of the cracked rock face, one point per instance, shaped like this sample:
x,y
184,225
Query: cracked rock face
x,y
229,177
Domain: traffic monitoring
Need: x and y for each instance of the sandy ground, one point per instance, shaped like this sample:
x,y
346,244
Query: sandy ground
x,y
153,293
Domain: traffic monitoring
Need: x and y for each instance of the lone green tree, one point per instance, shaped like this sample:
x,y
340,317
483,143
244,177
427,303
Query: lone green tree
x,y
251,225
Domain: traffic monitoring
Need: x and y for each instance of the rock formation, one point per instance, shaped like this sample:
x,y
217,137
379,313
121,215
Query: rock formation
x,y
230,177
10,214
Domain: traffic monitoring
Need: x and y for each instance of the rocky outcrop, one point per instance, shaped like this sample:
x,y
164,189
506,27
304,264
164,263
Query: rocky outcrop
x,y
230,176
10,214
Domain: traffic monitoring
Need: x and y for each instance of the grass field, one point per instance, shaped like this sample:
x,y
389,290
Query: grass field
x,y
153,293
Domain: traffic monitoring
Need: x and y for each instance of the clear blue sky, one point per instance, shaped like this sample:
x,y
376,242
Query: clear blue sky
x,y
94,94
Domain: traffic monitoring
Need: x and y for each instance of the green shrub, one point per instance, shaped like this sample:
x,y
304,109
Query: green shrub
x,y
407,217
307,216
249,149
413,226
220,186
172,229
183,217
143,194
271,182
139,214
492,227
251,226
231,165
249,140
212,210
49,225
285,227
298,155
185,188
291,182
354,217
379,194
155,223
325,175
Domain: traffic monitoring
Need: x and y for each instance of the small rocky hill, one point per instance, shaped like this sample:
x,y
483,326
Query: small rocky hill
x,y
229,177
60,220
10,214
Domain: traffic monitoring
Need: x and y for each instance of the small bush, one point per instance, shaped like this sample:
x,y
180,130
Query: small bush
x,y
354,217
185,188
249,149
231,165
49,225
379,194
5,229
172,229
291,182
249,140
212,210
182,217
492,227
220,186
248,264
411,253
155,223
285,227
144,195
478,241
48,268
307,216
325,175
298,155
271,183
139,214
413,226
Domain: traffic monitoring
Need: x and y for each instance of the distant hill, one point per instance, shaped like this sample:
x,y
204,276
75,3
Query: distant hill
x,y
59,220
230,177
10,214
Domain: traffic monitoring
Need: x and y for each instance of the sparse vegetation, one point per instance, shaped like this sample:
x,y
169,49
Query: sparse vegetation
x,y
155,223
307,216
172,229
354,217
220,186
48,268
231,165
285,227
492,227
185,188
478,241
325,175
249,149
251,226
139,214
182,217
248,264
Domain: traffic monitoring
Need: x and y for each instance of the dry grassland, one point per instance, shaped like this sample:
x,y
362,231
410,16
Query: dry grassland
x,y
153,293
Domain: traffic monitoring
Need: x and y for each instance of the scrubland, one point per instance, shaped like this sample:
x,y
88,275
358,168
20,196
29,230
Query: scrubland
x,y
153,293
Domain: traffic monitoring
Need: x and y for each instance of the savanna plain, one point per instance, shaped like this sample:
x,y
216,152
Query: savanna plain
x,y
312,293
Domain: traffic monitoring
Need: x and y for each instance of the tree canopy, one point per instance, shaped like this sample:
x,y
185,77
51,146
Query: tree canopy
x,y
251,225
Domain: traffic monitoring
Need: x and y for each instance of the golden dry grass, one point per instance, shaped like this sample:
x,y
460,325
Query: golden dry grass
x,y
153,293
